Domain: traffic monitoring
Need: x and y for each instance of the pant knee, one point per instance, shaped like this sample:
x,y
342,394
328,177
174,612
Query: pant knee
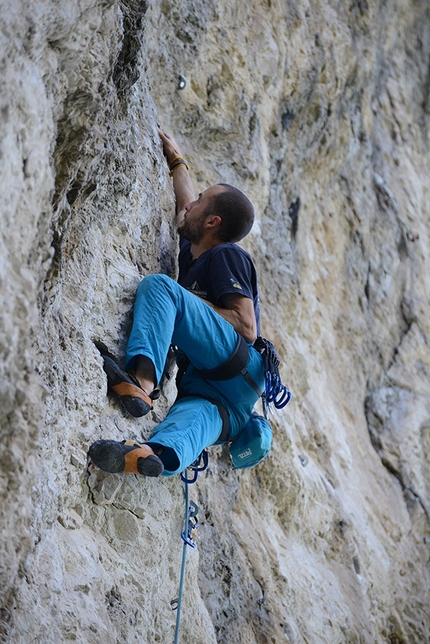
x,y
154,282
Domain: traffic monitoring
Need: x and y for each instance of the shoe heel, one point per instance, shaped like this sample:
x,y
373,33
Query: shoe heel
x,y
150,466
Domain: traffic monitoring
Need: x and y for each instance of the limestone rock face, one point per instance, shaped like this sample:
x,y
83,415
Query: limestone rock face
x,y
320,113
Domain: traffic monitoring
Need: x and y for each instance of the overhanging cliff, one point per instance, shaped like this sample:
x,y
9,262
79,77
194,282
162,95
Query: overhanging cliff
x,y
320,113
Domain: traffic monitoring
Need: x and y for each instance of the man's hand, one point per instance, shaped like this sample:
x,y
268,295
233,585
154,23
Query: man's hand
x,y
171,148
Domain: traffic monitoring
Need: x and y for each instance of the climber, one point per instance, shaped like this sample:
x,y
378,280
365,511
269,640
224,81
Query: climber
x,y
211,315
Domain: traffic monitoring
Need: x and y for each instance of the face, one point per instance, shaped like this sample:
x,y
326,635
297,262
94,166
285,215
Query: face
x,y
192,227
196,212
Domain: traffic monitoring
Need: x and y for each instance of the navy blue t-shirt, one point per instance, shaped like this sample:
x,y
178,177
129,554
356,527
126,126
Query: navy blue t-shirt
x,y
226,268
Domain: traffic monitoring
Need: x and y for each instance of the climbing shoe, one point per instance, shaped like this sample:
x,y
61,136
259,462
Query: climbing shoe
x,y
125,456
104,351
126,387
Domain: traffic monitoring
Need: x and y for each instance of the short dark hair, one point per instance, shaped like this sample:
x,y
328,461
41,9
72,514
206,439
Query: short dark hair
x,y
236,212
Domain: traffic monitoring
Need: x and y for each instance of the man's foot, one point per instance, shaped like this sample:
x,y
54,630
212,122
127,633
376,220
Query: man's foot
x,y
135,399
103,350
125,456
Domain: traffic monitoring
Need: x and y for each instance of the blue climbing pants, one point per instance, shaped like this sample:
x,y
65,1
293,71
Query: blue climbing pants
x,y
165,313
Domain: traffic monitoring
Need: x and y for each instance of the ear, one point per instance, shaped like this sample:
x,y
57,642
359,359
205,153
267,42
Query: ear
x,y
213,221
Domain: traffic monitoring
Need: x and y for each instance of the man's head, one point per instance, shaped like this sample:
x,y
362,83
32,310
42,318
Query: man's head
x,y
236,212
221,209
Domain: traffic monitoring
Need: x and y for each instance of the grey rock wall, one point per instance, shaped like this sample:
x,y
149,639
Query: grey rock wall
x,y
320,113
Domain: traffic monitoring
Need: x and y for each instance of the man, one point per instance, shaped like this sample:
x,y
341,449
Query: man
x,y
211,315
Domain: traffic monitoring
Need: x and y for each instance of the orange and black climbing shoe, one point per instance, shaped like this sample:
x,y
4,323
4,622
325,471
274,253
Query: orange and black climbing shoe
x,y
125,456
126,387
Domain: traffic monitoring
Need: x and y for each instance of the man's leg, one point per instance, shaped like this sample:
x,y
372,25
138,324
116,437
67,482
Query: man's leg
x,y
164,312
191,425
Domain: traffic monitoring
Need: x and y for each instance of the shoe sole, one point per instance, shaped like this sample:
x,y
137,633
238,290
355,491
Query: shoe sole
x,y
117,379
116,458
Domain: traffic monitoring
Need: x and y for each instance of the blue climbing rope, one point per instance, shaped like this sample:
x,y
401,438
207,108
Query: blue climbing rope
x,y
190,523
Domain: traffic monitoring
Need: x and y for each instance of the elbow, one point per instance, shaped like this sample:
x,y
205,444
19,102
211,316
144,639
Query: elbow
x,y
249,333
248,330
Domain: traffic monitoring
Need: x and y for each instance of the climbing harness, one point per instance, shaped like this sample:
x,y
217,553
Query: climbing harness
x,y
233,366
275,392
190,524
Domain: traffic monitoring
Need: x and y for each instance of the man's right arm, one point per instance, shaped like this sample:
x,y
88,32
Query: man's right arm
x,y
182,185
239,311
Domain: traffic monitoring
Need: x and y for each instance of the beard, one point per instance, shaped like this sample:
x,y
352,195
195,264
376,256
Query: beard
x,y
192,229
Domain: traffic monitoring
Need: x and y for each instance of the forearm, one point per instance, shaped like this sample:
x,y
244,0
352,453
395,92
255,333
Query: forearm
x,y
184,190
246,327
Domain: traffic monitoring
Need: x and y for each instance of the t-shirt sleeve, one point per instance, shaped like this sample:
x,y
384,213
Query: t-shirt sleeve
x,y
231,271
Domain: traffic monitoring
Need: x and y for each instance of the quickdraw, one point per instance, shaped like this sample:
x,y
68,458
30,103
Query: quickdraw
x,y
199,465
275,391
192,524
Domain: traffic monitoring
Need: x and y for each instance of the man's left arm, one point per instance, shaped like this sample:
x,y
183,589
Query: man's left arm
x,y
239,311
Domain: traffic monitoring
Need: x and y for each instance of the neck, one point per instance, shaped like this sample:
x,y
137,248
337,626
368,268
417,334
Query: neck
x,y
200,248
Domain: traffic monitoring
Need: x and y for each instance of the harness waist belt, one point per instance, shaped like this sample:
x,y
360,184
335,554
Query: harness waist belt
x,y
233,366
